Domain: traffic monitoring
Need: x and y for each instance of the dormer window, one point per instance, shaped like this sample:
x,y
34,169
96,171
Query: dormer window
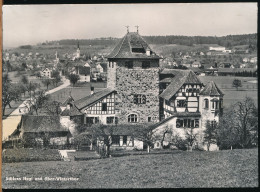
x,y
138,50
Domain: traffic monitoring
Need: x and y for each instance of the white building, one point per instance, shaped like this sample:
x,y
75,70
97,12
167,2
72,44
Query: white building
x,y
217,48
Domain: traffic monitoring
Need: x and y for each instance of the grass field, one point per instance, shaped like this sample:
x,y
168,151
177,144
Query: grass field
x,y
236,168
231,94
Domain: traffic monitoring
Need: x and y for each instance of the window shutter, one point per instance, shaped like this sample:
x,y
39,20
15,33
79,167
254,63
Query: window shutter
x,y
143,99
135,99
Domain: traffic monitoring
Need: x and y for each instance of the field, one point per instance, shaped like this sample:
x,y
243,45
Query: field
x,y
236,168
249,88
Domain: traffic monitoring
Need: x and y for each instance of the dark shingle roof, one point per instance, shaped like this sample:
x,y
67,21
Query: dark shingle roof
x,y
83,70
90,99
180,77
73,111
104,66
211,89
68,100
132,40
31,123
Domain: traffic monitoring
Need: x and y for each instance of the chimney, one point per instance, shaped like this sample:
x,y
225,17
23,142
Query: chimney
x,y
92,90
68,106
148,52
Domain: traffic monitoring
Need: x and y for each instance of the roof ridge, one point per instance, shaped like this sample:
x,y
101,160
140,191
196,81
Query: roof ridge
x,y
120,46
130,47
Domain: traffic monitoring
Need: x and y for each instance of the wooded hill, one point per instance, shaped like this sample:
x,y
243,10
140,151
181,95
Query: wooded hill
x,y
227,41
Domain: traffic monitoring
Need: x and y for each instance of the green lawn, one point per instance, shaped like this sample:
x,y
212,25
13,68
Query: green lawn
x,y
236,168
231,94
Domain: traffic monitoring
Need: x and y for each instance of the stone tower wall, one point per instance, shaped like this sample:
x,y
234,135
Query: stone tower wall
x,y
138,81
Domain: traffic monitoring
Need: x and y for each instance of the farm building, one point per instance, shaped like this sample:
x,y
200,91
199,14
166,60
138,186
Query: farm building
x,y
41,131
83,70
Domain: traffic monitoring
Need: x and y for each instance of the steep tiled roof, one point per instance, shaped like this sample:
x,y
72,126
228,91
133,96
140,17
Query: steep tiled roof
x,y
211,89
31,123
180,77
104,66
68,100
90,99
132,40
73,111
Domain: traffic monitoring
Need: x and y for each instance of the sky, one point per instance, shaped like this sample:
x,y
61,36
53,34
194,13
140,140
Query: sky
x,y
31,24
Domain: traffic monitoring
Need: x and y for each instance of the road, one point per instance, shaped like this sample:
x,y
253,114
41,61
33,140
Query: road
x,y
10,123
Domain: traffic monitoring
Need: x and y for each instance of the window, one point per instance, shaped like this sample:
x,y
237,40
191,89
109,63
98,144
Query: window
x,y
181,103
91,120
104,106
116,139
139,99
149,119
217,104
190,123
111,120
167,102
213,106
145,64
124,140
132,118
129,64
206,103
213,123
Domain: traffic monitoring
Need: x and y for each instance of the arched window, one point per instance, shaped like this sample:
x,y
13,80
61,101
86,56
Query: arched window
x,y
206,103
132,118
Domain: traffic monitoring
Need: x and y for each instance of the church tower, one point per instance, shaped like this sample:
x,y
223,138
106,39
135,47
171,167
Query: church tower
x,y
78,51
133,71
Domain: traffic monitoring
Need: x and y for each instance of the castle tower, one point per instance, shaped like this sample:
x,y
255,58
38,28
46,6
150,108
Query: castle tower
x,y
78,51
133,71
211,103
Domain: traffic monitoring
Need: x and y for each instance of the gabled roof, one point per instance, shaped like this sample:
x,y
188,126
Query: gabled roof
x,y
104,66
90,99
32,123
68,100
132,40
211,89
180,77
73,111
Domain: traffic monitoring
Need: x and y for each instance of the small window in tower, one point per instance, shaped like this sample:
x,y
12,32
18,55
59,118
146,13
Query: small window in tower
x,y
145,64
206,103
139,99
149,119
129,64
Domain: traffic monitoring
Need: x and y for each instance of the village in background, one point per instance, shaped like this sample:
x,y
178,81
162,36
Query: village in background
x,y
84,99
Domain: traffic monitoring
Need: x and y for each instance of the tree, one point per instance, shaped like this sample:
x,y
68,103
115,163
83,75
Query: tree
x,y
210,134
46,82
146,133
10,92
38,74
237,83
190,136
24,79
74,78
103,133
238,126
37,102
56,77
53,107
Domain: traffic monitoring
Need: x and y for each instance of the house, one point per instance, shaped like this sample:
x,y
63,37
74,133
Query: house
x,y
217,48
196,64
83,71
253,60
246,60
225,65
46,73
187,104
41,131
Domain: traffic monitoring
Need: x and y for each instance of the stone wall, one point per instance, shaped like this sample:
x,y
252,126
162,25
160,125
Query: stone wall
x,y
138,81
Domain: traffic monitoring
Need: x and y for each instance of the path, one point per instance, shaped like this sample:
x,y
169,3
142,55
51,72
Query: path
x,y
10,123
